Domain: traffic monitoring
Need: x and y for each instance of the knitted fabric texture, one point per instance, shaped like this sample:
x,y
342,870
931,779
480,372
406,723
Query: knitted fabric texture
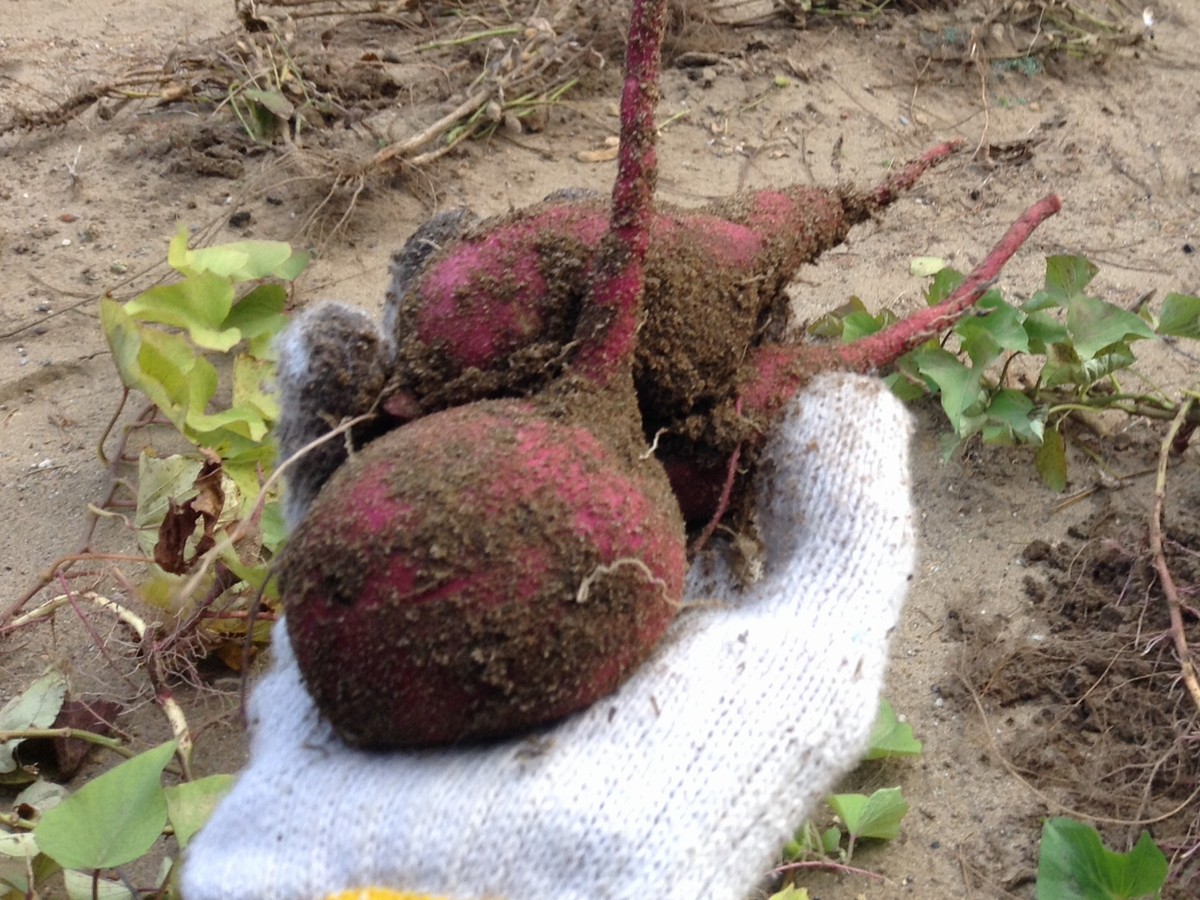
x,y
684,784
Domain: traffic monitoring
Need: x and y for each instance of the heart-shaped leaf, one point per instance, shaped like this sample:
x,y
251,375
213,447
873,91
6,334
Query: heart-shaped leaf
x,y
113,819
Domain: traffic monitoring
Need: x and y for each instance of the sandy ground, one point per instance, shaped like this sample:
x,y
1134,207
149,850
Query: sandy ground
x,y
94,197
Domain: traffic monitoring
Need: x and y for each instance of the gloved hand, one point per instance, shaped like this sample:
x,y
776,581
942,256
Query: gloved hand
x,y
684,784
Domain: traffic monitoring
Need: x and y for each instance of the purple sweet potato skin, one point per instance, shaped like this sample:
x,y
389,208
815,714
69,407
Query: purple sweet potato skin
x,y
491,314
479,571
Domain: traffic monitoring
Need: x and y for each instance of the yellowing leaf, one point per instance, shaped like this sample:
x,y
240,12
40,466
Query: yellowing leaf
x,y
35,707
273,101
253,380
198,305
190,804
926,266
161,481
238,260
79,886
1052,460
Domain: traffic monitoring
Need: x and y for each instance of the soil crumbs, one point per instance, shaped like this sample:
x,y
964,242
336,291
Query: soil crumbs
x,y
1031,658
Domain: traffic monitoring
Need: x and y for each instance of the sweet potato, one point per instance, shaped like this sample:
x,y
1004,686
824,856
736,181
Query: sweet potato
x,y
502,563
482,569
485,309
497,563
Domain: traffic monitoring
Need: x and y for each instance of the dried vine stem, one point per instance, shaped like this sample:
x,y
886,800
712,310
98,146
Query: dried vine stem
x,y
150,648
1187,664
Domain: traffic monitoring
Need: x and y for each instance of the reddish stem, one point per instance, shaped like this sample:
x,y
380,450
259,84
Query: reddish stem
x,y
609,320
890,344
776,372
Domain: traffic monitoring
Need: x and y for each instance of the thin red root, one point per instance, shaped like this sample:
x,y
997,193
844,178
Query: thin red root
x,y
726,496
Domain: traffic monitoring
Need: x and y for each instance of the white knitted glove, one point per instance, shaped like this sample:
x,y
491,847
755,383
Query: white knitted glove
x,y
684,784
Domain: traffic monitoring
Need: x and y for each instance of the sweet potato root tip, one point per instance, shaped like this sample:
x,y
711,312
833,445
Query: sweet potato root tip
x,y
775,373
861,206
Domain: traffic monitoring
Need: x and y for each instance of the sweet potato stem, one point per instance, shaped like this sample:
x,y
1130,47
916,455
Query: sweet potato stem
x,y
890,344
776,372
608,322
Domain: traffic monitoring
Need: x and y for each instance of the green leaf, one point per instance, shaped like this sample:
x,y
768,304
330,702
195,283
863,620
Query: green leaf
x,y
1011,418
1051,460
113,819
1180,316
890,737
259,317
1066,277
984,337
943,285
274,528
1095,325
791,892
1065,368
190,804
877,816
1074,864
35,707
859,325
1042,330
274,101
960,387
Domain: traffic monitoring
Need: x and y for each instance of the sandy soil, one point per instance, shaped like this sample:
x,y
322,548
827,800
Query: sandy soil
x,y
97,196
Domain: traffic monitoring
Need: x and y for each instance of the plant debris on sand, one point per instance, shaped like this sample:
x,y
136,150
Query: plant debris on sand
x,y
351,94
1100,727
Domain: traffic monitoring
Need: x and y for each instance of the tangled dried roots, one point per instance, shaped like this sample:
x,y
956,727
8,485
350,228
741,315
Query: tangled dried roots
x,y
1102,722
